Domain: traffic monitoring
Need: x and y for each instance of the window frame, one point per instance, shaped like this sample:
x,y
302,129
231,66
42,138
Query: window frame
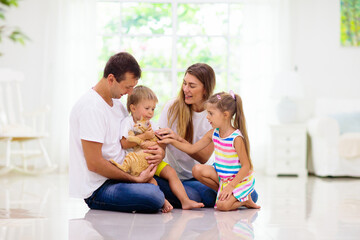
x,y
174,70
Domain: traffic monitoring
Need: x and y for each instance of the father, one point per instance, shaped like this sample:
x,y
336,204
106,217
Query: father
x,y
95,138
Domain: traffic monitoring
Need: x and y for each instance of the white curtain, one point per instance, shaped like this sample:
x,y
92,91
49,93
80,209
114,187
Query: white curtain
x,y
59,61
265,46
70,66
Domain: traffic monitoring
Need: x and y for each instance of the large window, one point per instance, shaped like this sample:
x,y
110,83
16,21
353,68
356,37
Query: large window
x,y
169,36
238,38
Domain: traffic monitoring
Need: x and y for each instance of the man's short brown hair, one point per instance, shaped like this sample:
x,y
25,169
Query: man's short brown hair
x,y
121,63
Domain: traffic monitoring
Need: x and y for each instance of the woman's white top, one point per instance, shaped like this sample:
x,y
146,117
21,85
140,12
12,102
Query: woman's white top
x,y
180,161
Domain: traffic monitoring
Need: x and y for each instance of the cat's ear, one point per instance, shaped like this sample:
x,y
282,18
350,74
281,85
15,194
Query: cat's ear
x,y
142,118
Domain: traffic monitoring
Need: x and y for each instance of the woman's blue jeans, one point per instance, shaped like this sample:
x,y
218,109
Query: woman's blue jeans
x,y
127,197
195,190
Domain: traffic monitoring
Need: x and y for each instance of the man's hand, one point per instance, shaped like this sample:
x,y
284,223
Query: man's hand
x,y
158,154
146,175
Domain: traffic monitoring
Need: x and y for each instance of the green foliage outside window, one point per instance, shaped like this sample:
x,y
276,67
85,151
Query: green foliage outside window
x,y
150,18
12,33
147,31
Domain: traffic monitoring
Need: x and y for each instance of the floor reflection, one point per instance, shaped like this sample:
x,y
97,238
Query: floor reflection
x,y
114,225
22,205
291,208
238,225
179,224
232,225
17,213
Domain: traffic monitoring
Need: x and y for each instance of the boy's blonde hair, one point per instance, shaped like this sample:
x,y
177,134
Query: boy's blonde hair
x,y
233,104
139,94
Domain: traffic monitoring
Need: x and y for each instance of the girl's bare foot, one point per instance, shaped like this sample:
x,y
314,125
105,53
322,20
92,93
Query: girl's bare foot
x,y
250,204
190,204
167,207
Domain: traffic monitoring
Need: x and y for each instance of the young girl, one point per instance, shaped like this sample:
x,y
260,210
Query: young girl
x,y
141,104
232,174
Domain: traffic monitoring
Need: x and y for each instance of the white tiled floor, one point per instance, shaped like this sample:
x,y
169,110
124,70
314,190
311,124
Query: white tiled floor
x,y
292,208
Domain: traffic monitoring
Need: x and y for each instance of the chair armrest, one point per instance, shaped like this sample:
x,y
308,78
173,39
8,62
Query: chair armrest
x,y
37,112
324,127
37,117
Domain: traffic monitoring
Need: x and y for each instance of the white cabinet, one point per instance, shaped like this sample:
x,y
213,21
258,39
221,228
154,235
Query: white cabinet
x,y
287,153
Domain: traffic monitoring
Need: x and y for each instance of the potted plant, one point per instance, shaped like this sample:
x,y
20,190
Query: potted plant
x,y
12,33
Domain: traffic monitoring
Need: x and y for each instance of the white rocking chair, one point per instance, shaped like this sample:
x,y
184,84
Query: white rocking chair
x,y
24,149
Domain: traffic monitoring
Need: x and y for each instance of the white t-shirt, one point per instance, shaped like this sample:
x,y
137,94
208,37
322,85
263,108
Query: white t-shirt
x,y
127,124
180,161
92,119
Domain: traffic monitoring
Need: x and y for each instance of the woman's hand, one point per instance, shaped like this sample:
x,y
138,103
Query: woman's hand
x,y
158,154
166,141
167,133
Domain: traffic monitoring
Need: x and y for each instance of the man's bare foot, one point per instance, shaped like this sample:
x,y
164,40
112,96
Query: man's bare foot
x,y
190,204
167,207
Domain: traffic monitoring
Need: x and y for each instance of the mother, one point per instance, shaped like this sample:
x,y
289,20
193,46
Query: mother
x,y
184,119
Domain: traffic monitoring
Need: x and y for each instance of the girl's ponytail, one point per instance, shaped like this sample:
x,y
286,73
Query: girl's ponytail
x,y
240,123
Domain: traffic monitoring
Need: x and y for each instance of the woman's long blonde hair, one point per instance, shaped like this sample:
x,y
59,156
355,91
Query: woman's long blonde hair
x,y
181,111
233,104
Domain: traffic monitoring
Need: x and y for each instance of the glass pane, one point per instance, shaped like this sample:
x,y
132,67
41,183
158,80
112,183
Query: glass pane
x,y
237,61
236,55
106,47
146,18
221,82
108,17
179,82
236,19
150,52
160,83
209,50
203,19
235,83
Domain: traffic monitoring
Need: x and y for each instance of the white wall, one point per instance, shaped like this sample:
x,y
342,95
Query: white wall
x,y
328,70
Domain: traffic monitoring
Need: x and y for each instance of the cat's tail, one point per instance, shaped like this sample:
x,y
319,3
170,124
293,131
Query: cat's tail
x,y
128,160
115,163
125,166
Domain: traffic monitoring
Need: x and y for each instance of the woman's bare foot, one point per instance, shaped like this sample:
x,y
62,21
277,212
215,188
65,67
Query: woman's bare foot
x,y
167,207
190,204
